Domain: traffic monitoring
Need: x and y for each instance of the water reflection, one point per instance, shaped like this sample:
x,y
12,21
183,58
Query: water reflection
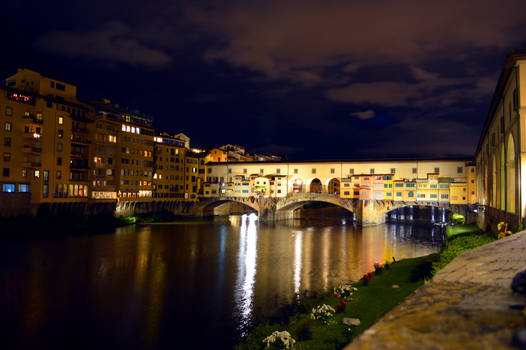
x,y
154,286
247,270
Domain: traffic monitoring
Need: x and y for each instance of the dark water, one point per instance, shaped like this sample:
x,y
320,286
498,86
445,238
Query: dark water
x,y
195,285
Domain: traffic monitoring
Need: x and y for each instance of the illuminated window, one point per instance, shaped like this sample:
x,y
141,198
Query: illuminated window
x,y
23,187
59,174
7,157
60,120
8,126
37,173
9,188
59,147
60,134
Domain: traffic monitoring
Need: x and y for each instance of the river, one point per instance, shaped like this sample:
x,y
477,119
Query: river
x,y
164,285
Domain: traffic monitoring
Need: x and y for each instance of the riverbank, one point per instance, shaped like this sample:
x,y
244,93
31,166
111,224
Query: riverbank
x,y
369,302
467,305
78,223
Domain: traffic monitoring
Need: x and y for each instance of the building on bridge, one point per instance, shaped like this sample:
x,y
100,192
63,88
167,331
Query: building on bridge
x,y
424,181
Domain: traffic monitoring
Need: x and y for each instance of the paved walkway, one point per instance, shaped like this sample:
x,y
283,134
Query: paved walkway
x,y
465,306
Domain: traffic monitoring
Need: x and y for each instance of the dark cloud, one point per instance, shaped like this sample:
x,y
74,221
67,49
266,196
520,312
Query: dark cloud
x,y
310,78
112,42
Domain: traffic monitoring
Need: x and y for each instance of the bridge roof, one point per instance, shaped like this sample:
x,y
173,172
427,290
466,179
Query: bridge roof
x,y
370,160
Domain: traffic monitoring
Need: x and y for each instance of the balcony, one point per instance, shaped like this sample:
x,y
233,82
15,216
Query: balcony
x,y
32,136
34,119
79,130
80,140
79,164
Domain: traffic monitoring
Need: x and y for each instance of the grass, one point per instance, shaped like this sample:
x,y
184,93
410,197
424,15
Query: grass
x,y
461,229
368,304
459,239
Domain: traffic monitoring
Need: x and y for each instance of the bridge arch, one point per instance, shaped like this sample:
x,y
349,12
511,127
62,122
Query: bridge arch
x,y
208,207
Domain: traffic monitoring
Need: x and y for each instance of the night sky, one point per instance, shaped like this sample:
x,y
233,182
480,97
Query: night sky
x,y
303,79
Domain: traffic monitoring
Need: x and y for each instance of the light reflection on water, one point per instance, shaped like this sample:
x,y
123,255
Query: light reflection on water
x,y
155,286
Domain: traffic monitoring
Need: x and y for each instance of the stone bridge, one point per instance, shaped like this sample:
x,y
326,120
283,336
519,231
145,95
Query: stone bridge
x,y
366,212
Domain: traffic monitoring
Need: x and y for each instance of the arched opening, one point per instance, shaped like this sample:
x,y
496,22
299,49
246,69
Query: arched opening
x,y
315,186
494,183
296,185
510,175
333,187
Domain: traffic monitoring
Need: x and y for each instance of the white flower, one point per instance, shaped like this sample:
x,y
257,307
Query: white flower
x,y
284,337
322,313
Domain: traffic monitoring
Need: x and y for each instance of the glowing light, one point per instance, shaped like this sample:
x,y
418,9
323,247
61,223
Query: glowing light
x,y
36,136
247,270
297,262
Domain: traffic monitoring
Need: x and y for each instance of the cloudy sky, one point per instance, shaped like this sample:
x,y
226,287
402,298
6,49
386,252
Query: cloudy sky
x,y
305,79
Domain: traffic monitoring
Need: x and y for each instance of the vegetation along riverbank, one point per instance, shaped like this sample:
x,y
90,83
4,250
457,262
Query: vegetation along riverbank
x,y
331,320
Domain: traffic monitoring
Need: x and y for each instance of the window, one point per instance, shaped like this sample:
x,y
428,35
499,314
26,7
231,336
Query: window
x,y
7,157
60,120
414,170
37,173
356,193
345,193
59,147
278,171
444,195
332,170
244,171
432,195
437,170
60,133
399,194
261,171
230,171
23,187
351,171
7,141
46,175
59,161
10,188
5,172
210,170
8,126
388,194
295,171
371,170
313,170
460,169
410,194
8,111
60,86
393,171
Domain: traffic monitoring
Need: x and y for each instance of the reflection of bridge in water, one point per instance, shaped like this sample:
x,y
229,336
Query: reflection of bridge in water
x,y
364,211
